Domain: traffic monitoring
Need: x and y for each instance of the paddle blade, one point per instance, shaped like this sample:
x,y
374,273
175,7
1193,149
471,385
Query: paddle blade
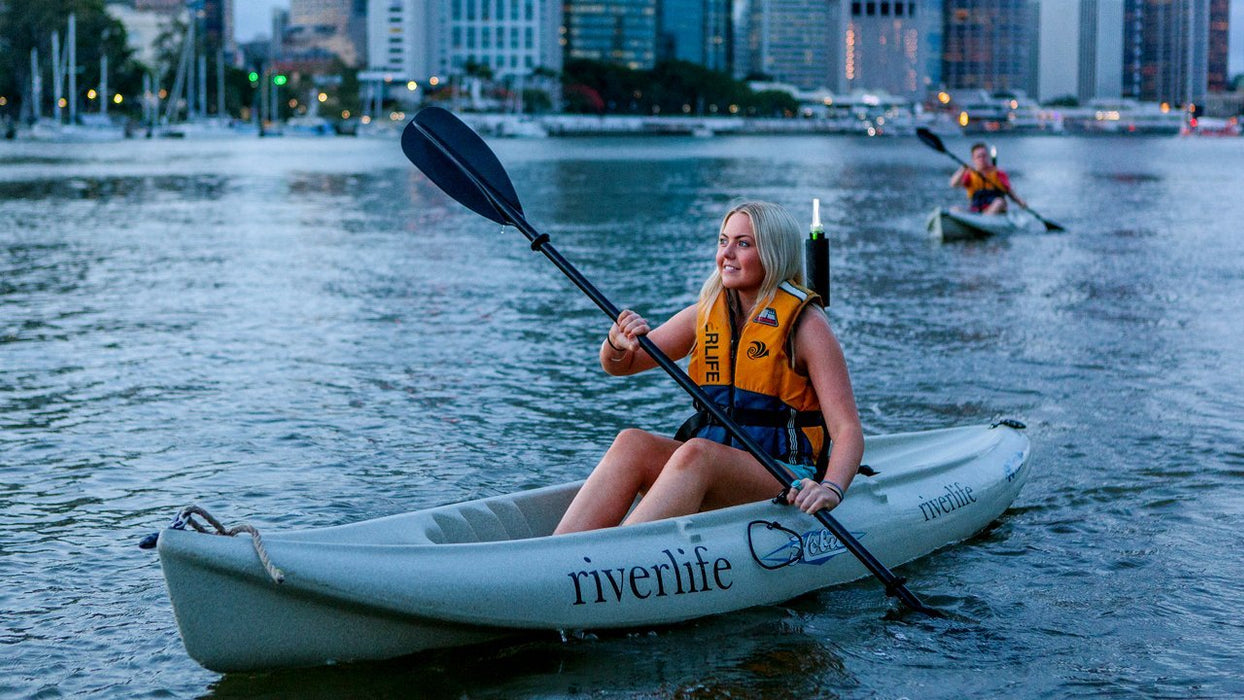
x,y
930,139
454,157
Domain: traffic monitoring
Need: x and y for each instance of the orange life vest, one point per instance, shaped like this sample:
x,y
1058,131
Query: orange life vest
x,y
753,379
982,191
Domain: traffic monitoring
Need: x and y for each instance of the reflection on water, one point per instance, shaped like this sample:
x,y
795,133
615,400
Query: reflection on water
x,y
305,333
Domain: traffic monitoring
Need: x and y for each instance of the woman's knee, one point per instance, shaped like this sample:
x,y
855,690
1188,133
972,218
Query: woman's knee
x,y
696,453
633,441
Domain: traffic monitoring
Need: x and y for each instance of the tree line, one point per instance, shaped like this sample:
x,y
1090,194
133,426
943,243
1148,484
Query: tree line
x,y
669,88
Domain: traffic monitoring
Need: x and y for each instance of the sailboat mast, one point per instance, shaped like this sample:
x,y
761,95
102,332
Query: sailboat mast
x,y
58,76
103,84
202,86
220,84
173,106
72,67
192,43
36,86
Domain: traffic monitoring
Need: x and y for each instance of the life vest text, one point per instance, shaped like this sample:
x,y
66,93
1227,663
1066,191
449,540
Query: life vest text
x,y
712,362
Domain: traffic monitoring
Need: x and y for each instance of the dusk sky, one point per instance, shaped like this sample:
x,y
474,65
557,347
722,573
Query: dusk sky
x,y
253,19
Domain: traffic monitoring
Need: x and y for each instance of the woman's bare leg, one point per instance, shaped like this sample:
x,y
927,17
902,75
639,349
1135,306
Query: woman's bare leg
x,y
629,468
703,475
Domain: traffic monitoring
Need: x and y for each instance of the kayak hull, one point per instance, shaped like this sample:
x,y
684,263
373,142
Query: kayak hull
x,y
474,571
953,225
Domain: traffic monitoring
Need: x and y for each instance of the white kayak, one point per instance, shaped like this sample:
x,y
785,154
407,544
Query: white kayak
x,y
956,225
474,571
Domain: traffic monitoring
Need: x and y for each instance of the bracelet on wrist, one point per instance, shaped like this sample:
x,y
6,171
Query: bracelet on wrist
x,y
615,347
835,488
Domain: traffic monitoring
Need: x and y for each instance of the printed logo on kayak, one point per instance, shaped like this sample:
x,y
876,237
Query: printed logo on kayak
x,y
768,317
786,547
954,498
757,350
672,573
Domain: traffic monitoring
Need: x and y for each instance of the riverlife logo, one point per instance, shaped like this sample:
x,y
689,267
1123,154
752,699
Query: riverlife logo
x,y
757,350
956,497
672,573
1013,465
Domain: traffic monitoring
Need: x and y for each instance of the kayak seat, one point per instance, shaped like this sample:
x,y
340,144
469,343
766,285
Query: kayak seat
x,y
496,522
512,519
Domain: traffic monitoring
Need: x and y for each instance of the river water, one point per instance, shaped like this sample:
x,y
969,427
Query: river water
x,y
301,333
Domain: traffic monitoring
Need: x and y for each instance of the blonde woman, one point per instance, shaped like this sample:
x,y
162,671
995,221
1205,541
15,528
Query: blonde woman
x,y
763,350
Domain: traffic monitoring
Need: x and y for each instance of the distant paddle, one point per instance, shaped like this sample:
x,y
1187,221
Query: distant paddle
x,y
460,163
932,140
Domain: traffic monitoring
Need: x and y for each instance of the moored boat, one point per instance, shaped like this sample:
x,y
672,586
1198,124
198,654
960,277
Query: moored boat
x,y
482,569
955,225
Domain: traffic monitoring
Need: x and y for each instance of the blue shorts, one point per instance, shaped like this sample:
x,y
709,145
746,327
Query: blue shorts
x,y
801,471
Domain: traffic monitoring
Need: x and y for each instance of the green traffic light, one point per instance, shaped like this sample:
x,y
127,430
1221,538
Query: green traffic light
x,y
279,80
254,77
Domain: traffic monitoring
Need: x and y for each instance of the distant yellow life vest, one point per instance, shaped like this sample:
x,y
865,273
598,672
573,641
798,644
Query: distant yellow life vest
x,y
753,379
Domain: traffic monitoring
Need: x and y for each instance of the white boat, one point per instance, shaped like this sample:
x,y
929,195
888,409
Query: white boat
x,y
309,125
93,128
475,571
957,225
522,128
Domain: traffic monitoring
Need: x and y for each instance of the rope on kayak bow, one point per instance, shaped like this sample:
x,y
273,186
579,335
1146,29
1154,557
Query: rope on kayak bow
x,y
186,517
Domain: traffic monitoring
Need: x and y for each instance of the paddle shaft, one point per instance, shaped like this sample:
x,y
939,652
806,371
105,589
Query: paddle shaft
x,y
893,584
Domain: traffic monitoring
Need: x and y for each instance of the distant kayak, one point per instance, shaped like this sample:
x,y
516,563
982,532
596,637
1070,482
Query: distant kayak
x,y
473,571
955,225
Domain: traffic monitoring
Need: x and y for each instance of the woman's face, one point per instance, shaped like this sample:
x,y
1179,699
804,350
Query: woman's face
x,y
738,260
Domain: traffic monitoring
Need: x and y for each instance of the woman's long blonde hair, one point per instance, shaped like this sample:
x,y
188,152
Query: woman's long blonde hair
x,y
779,244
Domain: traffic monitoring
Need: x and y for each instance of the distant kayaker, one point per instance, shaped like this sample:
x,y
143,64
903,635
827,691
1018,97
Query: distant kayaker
x,y
763,351
987,185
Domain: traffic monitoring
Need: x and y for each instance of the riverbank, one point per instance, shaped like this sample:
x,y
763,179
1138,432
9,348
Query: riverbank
x,y
880,122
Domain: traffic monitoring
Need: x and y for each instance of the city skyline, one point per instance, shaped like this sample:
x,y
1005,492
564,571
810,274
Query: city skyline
x,y
252,19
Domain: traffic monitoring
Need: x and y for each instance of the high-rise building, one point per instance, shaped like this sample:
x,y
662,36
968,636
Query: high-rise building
x,y
613,31
986,44
932,40
697,31
882,47
844,45
1166,50
793,41
1100,50
327,26
414,40
1216,77
1079,50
